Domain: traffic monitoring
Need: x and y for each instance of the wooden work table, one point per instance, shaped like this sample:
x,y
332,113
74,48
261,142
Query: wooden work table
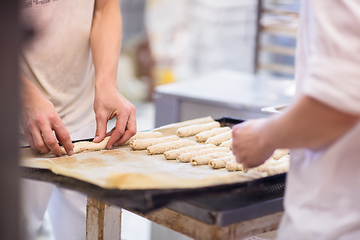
x,y
103,221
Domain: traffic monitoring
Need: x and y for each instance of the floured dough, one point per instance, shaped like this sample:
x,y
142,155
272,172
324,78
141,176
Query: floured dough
x,y
203,136
227,143
144,135
234,166
281,168
271,163
205,159
279,153
265,165
186,157
142,144
220,138
196,128
173,154
222,161
166,146
87,146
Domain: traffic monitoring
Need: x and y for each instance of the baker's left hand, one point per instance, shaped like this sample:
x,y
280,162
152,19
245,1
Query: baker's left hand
x,y
110,103
249,145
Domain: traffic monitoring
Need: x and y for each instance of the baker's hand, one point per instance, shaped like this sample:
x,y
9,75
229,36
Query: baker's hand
x,y
249,146
39,119
110,103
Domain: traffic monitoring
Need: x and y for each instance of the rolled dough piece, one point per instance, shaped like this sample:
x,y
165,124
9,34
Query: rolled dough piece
x,y
186,157
166,146
203,136
265,165
205,159
227,143
285,158
233,165
144,135
220,138
271,163
196,128
279,153
142,144
173,154
281,168
221,162
87,146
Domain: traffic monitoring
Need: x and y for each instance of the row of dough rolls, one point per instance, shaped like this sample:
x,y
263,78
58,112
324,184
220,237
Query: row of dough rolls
x,y
206,158
278,163
144,135
219,138
205,135
196,128
186,157
167,146
173,154
222,161
142,144
216,152
86,146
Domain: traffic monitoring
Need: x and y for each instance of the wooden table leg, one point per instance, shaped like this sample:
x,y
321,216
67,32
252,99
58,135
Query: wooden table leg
x,y
103,221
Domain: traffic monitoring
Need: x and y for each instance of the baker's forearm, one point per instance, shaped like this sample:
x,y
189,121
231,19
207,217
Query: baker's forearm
x,y
308,123
40,119
28,90
105,40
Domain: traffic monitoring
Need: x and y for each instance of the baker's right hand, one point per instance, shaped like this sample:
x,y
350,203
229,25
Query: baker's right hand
x,y
39,119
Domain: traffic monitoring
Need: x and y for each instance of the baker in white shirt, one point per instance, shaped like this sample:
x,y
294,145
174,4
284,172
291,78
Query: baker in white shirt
x,y
322,127
68,84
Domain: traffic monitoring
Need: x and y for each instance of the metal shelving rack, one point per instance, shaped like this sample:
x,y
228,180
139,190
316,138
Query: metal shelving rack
x,y
276,36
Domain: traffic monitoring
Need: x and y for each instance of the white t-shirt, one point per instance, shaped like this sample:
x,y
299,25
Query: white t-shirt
x,y
322,199
58,60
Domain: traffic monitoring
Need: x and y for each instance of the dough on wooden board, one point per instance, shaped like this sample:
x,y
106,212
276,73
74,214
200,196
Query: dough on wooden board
x,y
144,135
186,157
205,159
196,128
87,146
227,143
166,146
142,144
221,162
220,138
203,136
173,154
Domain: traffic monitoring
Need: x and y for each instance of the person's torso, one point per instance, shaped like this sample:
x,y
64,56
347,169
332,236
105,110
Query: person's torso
x,y
322,190
58,60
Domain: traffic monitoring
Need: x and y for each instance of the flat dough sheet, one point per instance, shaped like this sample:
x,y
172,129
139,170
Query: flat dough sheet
x,y
124,168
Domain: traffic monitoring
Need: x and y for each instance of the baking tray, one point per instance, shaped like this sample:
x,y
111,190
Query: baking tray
x,y
144,201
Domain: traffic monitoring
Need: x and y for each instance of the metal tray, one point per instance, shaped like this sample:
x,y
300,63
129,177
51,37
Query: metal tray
x,y
275,109
144,201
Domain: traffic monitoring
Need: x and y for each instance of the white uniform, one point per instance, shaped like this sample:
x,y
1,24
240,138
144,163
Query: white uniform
x,y
58,62
322,199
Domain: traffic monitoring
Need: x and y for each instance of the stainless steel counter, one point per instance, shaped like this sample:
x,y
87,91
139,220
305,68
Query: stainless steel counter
x,y
223,93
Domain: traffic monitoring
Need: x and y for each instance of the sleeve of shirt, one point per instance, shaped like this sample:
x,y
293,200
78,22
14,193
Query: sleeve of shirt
x,y
333,75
